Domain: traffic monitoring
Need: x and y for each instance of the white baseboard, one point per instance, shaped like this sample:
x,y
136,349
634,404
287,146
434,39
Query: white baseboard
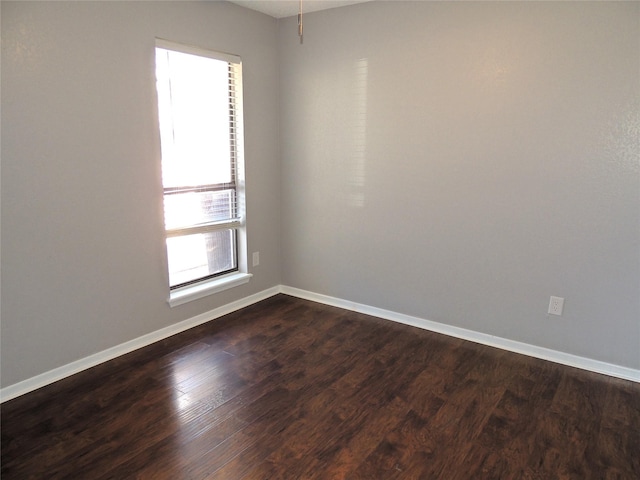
x,y
72,368
33,383
473,336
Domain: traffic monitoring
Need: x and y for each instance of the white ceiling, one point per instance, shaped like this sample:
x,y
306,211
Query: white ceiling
x,y
288,8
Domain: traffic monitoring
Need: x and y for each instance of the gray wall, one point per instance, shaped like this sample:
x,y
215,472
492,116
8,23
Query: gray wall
x,y
83,260
461,162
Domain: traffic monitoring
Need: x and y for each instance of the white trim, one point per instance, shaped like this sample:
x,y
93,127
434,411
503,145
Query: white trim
x,y
555,356
205,227
189,293
33,383
193,50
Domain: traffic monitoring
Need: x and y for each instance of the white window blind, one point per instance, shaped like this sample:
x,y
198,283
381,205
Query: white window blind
x,y
200,116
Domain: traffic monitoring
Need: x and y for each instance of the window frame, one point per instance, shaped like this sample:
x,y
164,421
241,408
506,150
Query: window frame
x,y
210,284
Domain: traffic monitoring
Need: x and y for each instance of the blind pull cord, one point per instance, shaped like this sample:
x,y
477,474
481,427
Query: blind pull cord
x,y
300,24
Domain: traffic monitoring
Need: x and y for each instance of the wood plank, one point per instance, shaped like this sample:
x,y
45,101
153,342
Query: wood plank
x,y
288,388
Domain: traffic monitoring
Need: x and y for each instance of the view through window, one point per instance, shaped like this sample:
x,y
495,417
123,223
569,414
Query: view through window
x,y
199,106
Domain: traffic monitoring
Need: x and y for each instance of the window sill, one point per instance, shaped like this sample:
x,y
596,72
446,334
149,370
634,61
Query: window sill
x,y
201,290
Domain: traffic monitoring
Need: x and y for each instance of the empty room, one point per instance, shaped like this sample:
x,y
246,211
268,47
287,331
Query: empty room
x,y
320,239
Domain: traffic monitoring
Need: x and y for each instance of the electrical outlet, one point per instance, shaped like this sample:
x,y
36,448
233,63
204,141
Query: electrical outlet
x,y
556,305
256,259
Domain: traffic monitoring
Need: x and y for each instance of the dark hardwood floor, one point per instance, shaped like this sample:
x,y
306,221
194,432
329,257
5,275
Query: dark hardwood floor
x,y
292,389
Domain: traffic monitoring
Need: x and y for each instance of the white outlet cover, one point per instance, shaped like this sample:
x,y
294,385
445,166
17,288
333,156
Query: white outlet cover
x,y
556,304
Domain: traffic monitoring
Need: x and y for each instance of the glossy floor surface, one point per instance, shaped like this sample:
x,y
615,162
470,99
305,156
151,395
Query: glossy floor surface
x,y
291,389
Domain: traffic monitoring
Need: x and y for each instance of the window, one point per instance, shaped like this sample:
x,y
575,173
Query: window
x,y
200,119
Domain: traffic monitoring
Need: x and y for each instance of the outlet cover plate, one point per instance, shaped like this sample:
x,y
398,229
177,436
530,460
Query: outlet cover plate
x,y
556,304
